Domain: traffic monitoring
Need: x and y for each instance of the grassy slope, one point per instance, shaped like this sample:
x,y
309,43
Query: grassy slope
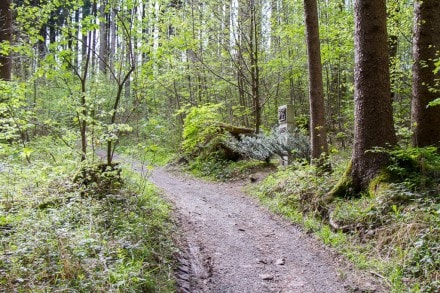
x,y
54,238
394,234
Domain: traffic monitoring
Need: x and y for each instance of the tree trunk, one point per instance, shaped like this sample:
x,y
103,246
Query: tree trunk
x,y
86,37
83,102
318,132
5,36
103,37
241,86
94,41
42,43
393,43
113,37
373,112
254,67
426,119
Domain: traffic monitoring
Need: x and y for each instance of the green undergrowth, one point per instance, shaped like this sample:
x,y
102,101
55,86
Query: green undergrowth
x,y
393,233
151,155
56,237
218,169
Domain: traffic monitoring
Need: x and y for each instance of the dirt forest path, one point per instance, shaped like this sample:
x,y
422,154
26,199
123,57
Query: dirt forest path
x,y
232,244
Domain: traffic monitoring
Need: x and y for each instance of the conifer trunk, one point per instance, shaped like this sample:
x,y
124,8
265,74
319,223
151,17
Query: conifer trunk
x,y
373,112
318,133
426,49
5,35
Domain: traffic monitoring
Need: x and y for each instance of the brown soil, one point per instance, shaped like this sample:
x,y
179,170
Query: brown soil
x,y
230,243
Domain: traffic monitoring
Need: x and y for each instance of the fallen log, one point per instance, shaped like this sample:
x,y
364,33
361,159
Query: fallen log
x,y
235,131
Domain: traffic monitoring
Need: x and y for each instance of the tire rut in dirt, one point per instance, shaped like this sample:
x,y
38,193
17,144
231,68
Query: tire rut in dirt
x,y
194,269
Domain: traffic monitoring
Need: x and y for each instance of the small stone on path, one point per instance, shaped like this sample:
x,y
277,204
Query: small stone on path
x,y
263,261
266,277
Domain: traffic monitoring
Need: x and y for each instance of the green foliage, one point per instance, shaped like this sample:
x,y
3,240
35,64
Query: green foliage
x,y
153,141
436,87
98,179
263,147
200,128
15,119
434,103
148,155
417,168
53,238
216,167
393,231
297,186
211,166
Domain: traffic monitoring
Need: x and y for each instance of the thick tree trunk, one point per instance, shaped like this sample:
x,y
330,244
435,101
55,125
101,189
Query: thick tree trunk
x,y
426,120
373,112
5,36
318,133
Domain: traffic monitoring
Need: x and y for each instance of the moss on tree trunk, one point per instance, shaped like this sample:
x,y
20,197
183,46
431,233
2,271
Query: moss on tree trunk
x,y
344,187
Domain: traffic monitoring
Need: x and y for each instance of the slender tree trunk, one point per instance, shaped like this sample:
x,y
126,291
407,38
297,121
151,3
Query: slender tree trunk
x,y
373,112
121,84
318,133
86,37
112,36
241,86
5,36
42,43
94,41
103,37
426,49
255,70
393,42
83,101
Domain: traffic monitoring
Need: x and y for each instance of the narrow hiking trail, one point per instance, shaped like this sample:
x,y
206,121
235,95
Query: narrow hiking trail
x,y
232,244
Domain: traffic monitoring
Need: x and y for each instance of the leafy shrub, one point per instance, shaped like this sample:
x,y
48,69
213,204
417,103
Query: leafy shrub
x,y
97,179
262,147
53,239
212,165
200,128
297,187
14,117
418,168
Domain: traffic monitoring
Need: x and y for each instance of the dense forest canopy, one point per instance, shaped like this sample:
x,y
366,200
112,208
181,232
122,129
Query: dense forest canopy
x,y
108,66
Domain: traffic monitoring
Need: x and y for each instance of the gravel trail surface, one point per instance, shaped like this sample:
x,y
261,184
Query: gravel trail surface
x,y
232,244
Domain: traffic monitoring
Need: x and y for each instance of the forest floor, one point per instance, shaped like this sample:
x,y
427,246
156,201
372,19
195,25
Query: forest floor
x,y
230,243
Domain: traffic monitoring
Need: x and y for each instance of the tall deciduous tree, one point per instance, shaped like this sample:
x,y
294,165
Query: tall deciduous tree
x,y
426,49
5,36
373,111
318,132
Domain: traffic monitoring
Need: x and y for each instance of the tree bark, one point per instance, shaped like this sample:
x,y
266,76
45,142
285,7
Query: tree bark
x,y
5,36
425,120
103,37
318,133
373,111
393,42
254,67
